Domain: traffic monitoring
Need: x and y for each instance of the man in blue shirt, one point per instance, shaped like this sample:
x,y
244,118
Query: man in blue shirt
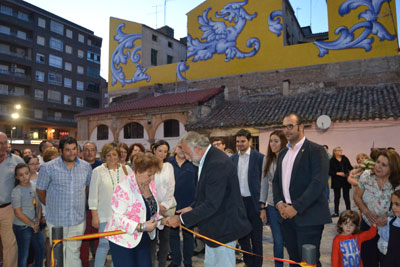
x,y
62,186
185,185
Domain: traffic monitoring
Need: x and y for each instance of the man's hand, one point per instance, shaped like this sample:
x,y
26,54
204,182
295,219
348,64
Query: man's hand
x,y
173,221
281,208
290,212
184,210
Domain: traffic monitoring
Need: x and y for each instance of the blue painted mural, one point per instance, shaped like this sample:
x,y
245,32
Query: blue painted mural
x,y
275,22
120,57
370,25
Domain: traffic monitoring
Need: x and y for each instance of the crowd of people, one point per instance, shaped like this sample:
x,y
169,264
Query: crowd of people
x,y
223,195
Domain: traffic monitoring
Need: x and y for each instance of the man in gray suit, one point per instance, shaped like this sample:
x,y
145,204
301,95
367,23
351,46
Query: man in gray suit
x,y
299,189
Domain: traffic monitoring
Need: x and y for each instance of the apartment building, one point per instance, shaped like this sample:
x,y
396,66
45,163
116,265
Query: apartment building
x,y
50,67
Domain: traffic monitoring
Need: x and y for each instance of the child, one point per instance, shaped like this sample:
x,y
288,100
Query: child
x,y
27,217
389,242
346,246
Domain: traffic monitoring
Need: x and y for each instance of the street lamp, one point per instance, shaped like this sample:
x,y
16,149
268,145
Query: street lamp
x,y
15,116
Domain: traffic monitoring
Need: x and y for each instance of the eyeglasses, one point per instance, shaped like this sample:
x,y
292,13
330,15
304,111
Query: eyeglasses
x,y
289,126
89,150
217,144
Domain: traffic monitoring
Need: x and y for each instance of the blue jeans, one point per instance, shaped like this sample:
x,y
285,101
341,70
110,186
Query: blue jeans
x,y
175,245
102,249
138,256
272,216
25,235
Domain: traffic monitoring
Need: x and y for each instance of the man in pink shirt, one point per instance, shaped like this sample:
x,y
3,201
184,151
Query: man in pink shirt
x,y
298,187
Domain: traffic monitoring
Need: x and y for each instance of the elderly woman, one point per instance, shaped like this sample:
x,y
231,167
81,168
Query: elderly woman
x,y
339,169
135,211
268,212
105,179
373,196
165,184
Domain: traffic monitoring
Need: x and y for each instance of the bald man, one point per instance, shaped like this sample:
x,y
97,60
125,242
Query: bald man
x,y
8,162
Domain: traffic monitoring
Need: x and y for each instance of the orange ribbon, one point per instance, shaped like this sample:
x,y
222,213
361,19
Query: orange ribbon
x,y
104,234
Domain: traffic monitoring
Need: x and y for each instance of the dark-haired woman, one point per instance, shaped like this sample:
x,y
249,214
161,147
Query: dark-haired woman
x,y
268,212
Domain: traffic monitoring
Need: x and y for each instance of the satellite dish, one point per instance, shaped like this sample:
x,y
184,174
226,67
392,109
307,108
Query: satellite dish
x,y
323,122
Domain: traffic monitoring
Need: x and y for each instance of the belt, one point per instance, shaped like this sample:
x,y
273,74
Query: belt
x,y
246,198
4,205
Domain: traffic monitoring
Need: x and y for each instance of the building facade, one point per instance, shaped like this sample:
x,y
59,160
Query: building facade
x,y
50,67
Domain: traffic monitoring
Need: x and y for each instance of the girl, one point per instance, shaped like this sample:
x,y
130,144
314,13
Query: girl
x,y
27,217
33,164
389,243
346,245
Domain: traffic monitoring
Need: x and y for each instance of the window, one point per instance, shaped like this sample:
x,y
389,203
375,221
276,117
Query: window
x,y
68,66
154,38
68,49
79,102
171,128
21,35
68,33
67,100
93,72
3,68
92,102
170,45
102,132
54,96
80,53
93,57
41,23
40,58
80,85
3,89
93,87
57,115
89,42
4,29
56,27
4,48
67,82
39,94
55,61
6,10
23,16
170,59
133,130
38,113
17,91
39,76
56,44
40,40
54,78
153,57
80,69
81,38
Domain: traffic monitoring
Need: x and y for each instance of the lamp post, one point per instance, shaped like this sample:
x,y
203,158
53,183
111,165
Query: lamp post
x,y
15,116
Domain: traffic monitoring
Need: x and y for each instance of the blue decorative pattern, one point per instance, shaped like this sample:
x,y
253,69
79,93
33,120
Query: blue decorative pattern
x,y
220,39
275,22
370,25
119,57
181,67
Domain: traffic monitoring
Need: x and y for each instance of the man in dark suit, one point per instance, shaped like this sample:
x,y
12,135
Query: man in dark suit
x,y
248,164
218,208
299,189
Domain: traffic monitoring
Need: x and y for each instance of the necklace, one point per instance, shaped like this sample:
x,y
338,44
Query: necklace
x,y
112,180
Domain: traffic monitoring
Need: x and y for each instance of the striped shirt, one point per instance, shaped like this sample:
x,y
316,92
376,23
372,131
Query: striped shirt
x,y
66,191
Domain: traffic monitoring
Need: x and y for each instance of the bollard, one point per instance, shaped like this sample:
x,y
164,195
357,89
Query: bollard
x,y
309,254
57,233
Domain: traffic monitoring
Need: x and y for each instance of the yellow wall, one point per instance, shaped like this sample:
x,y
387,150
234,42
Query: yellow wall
x,y
272,53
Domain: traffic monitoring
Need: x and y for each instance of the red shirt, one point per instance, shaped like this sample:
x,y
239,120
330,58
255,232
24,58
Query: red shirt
x,y
346,249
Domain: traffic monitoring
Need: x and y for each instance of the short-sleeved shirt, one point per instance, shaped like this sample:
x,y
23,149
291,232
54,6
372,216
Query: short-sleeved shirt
x,y
65,191
7,177
376,199
25,197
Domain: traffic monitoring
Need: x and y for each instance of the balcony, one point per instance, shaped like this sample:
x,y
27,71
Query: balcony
x,y
15,55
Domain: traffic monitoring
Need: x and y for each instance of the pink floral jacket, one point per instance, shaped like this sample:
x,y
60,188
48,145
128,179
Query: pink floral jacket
x,y
128,210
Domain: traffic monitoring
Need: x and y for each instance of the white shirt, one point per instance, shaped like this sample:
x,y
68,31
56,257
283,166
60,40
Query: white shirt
x,y
287,168
203,158
165,185
243,173
102,186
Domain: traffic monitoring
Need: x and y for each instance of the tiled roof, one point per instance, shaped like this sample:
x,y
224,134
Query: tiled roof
x,y
344,104
166,100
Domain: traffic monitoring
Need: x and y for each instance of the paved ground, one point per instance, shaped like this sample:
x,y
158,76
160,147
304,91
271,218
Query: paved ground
x,y
326,243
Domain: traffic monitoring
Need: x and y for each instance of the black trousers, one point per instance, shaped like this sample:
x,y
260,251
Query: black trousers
x,y
346,196
370,254
253,241
295,237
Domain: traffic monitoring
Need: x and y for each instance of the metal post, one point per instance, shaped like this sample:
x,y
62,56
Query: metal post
x,y
57,233
309,254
